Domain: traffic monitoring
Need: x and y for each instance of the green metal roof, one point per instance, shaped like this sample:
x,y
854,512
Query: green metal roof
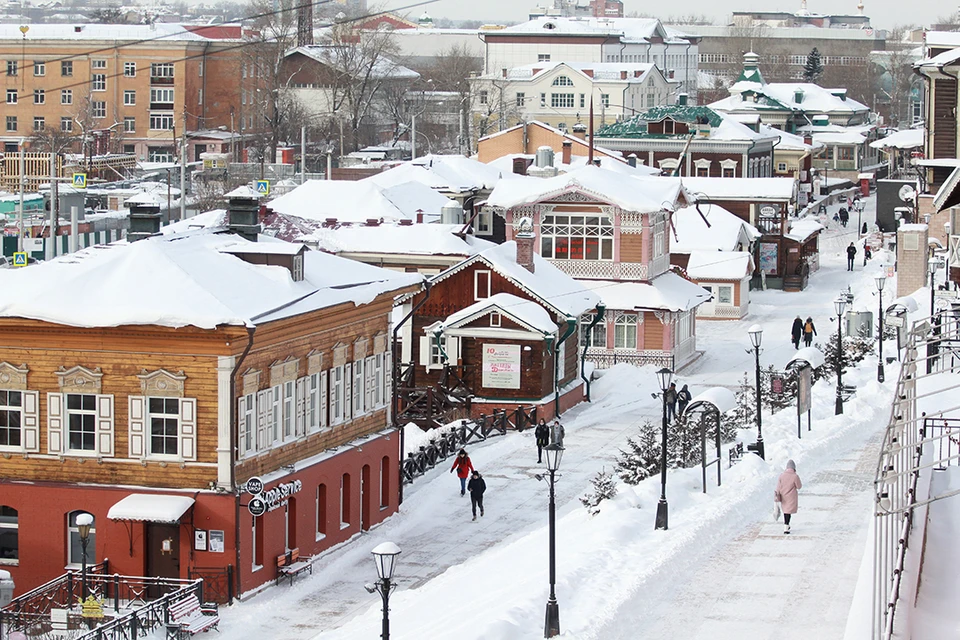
x,y
636,127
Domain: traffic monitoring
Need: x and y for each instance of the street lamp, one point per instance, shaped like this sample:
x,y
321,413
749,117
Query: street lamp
x,y
859,205
385,555
664,377
551,626
839,305
84,522
880,280
756,336
932,347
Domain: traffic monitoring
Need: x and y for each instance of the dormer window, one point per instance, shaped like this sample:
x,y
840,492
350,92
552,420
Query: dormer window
x,y
297,271
668,126
562,81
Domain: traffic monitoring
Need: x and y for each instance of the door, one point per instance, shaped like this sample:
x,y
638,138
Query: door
x,y
365,497
197,150
163,552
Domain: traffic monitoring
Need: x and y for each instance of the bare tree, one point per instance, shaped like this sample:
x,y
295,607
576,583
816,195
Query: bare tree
x,y
494,108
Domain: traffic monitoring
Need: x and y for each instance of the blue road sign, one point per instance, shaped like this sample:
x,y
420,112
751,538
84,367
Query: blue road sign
x,y
80,180
20,259
263,187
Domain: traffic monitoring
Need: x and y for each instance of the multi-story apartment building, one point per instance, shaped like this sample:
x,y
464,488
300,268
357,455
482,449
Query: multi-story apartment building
x,y
123,88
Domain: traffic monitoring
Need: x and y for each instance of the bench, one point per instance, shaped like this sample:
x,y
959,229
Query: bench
x,y
290,565
847,392
188,617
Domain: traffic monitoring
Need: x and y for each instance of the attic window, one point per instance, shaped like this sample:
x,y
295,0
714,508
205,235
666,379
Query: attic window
x,y
495,319
562,81
668,126
549,25
297,271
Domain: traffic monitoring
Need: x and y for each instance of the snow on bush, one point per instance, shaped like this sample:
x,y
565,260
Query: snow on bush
x,y
604,488
642,457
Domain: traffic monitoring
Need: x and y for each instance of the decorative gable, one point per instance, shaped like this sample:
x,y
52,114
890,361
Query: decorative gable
x,y
13,378
314,362
340,354
161,383
79,379
286,371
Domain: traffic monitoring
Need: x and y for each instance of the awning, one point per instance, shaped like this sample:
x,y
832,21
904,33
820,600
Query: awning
x,y
807,355
150,507
949,193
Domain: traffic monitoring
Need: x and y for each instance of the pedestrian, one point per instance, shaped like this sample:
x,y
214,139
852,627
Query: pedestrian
x,y
671,397
542,434
851,253
786,493
463,467
556,432
844,217
476,486
796,332
863,230
683,399
867,254
808,331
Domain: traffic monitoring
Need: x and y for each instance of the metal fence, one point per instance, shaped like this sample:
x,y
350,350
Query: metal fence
x,y
33,607
141,621
605,358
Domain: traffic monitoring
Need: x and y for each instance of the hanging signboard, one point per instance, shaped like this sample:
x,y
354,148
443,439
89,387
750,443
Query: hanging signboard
x,y
895,321
776,384
501,366
804,387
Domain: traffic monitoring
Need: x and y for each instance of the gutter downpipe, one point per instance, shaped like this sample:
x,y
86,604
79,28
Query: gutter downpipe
x,y
601,311
233,449
395,365
571,325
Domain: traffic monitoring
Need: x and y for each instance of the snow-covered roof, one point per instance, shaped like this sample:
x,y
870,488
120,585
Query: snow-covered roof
x,y
383,67
633,194
802,229
215,218
719,265
779,96
185,279
840,137
721,126
505,164
906,139
742,188
790,141
151,507
452,174
942,38
415,239
725,233
629,29
595,71
522,311
345,200
415,197
666,292
162,31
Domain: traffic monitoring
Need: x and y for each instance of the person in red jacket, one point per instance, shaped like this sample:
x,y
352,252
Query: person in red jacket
x,y
463,466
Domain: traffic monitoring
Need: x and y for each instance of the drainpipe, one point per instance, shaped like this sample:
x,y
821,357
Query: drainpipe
x,y
395,365
601,309
571,326
233,448
443,352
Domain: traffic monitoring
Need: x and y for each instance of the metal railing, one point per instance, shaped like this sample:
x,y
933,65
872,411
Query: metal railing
x,y
606,358
141,621
24,611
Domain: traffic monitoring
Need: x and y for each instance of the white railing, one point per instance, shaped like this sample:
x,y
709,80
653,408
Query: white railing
x,y
602,269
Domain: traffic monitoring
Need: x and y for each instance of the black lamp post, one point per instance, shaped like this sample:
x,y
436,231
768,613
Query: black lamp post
x,y
551,626
84,522
385,554
880,281
664,377
839,305
932,347
756,336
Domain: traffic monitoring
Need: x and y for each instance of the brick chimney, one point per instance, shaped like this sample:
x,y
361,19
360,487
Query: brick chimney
x,y
520,166
243,212
525,239
566,152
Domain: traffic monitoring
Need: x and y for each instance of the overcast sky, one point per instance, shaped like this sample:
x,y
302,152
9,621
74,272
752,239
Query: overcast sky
x,y
884,14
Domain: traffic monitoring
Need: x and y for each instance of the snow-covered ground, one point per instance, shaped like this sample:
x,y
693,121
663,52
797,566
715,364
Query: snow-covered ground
x,y
724,569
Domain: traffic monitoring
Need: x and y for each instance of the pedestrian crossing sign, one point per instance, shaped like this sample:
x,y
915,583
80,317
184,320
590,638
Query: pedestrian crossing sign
x,y
20,259
263,187
80,180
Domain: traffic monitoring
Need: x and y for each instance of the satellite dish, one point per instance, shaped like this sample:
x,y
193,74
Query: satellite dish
x,y
907,193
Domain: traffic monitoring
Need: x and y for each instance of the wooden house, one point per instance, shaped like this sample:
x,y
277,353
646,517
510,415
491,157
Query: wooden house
x,y
146,383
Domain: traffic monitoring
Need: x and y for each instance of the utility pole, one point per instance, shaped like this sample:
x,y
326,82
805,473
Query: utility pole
x,y
20,213
413,136
303,154
54,207
183,167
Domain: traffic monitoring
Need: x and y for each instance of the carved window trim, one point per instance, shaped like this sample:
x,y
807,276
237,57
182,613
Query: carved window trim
x,y
380,342
13,378
341,354
161,383
360,346
251,381
286,371
314,362
79,379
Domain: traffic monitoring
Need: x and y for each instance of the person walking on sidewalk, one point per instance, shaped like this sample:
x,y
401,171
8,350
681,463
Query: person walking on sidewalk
x,y
851,254
683,399
796,332
463,467
786,493
476,486
542,434
671,397
808,331
556,432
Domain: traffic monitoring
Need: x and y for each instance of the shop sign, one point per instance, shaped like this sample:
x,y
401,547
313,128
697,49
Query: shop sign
x,y
256,506
254,486
501,366
278,495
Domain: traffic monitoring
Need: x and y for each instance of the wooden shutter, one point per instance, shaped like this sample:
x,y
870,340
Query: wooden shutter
x,y
424,351
358,387
241,424
323,399
453,351
55,431
188,428
300,402
263,412
30,421
388,398
275,433
370,384
347,392
105,425
136,435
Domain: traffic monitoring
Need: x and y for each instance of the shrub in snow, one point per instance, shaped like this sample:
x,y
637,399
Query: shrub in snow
x,y
604,488
683,442
642,456
744,414
855,349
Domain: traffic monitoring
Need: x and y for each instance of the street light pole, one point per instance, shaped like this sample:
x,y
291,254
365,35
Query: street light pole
x,y
84,522
551,626
756,336
385,555
664,377
880,281
839,305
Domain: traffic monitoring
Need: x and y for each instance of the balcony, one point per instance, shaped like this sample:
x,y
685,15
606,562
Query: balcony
x,y
161,80
161,106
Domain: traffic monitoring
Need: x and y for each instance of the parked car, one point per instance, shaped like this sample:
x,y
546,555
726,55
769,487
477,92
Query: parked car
x,y
4,262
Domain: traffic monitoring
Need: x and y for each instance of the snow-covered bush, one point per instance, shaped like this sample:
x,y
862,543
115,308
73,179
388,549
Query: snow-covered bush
x,y
744,414
642,456
683,443
604,488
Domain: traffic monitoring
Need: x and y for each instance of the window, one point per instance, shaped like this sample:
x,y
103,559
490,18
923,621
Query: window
x,y
66,96
11,418
98,64
345,501
321,511
543,57
597,337
650,100
543,99
11,123
99,82
561,100
39,96
273,409
162,96
11,67
483,223
380,393
11,96
9,544
495,319
781,167
288,405
200,69
164,419
729,172
483,97
725,295
200,96
290,523
605,99
161,121
521,98
129,125
565,237
625,331
357,388
438,346
703,171
336,395
38,123
247,416
384,482
81,421
66,124
562,81
582,101
481,284
684,327
66,68
129,98
160,154
99,109
75,548
130,69
257,538
39,68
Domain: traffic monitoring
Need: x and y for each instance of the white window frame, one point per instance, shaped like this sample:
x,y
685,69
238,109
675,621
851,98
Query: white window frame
x,y
562,100
12,96
67,430
129,69
274,436
161,95
129,124
72,530
14,408
162,121
562,81
150,415
380,395
356,388
129,98
6,527
39,96
99,109
496,320
729,294
702,163
483,223
369,384
580,226
247,424
98,82
478,292
39,123
588,338
684,327
625,328
163,70
288,401
66,124
39,68
337,386
98,64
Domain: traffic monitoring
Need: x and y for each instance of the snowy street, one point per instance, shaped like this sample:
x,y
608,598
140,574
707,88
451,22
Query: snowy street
x,y
724,569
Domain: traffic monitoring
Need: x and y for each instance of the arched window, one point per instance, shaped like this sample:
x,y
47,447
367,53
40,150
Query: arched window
x,y
345,501
562,81
74,546
384,482
9,526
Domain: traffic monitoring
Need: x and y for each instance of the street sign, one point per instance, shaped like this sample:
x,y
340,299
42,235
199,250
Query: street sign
x,y
767,211
254,486
20,259
895,321
257,507
80,181
263,187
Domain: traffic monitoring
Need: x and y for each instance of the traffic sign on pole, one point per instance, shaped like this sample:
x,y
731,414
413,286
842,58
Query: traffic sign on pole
x,y
80,181
263,187
20,259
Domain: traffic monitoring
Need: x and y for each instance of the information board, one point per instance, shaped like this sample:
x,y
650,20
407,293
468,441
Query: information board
x,y
501,366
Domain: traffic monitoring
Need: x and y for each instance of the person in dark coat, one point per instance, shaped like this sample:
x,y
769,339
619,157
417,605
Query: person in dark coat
x,y
683,399
863,229
476,487
851,254
844,216
463,467
671,396
796,332
808,332
542,434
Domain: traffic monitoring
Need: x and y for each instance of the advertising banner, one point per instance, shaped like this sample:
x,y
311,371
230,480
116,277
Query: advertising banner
x,y
501,366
